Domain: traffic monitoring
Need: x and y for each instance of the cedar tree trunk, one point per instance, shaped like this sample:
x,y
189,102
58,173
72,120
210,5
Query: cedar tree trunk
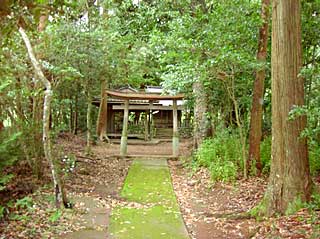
x,y
290,175
258,91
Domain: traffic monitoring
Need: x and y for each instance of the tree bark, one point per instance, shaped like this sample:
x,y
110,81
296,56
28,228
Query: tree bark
x,y
102,116
201,122
1,125
75,115
89,122
290,175
255,133
59,194
37,111
43,21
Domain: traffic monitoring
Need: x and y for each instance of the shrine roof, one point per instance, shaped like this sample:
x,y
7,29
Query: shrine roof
x,y
143,96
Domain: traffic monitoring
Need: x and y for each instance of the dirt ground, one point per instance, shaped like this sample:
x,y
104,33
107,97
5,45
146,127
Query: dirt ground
x,y
141,147
207,208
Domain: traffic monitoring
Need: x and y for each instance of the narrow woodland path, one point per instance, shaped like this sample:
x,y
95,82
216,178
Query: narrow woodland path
x,y
153,211
95,219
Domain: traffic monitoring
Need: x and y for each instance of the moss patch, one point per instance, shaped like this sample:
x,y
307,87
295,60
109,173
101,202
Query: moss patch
x,y
149,184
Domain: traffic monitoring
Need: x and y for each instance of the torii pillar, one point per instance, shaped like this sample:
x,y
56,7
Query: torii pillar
x,y
124,136
175,135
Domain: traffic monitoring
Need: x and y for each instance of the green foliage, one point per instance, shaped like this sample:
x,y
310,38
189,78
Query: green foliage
x,y
315,201
222,155
4,180
55,216
265,154
18,217
224,171
295,206
8,149
259,210
26,203
9,154
314,160
2,211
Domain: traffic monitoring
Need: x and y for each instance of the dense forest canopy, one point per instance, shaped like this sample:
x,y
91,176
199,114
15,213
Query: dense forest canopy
x,y
207,49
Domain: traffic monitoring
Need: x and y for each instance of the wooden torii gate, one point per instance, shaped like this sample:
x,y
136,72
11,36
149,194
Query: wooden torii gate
x,y
151,97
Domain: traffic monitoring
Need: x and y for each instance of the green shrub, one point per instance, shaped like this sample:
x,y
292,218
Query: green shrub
x,y
4,180
25,202
2,211
223,171
314,158
8,155
222,155
55,216
8,149
315,201
265,154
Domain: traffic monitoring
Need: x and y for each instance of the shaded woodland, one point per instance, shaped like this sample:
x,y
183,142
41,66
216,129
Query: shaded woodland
x,y
249,72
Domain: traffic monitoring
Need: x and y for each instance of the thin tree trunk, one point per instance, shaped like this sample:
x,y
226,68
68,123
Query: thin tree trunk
x,y
255,132
239,124
89,122
59,194
75,116
37,109
102,116
290,175
70,115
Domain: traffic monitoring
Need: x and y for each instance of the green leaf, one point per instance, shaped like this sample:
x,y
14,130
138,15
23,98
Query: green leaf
x,y
4,85
55,216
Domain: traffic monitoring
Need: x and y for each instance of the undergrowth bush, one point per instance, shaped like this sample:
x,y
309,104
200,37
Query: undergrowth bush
x,y
314,158
265,154
221,155
9,154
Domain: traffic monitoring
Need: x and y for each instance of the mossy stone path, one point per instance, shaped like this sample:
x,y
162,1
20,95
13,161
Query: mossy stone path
x,y
96,220
154,211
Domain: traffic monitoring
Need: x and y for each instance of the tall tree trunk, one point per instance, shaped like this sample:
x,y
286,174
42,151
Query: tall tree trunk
x,y
37,109
102,116
59,193
75,115
255,133
201,122
290,175
70,115
89,122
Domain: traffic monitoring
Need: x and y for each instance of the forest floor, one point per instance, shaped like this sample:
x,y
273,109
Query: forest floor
x,y
94,187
